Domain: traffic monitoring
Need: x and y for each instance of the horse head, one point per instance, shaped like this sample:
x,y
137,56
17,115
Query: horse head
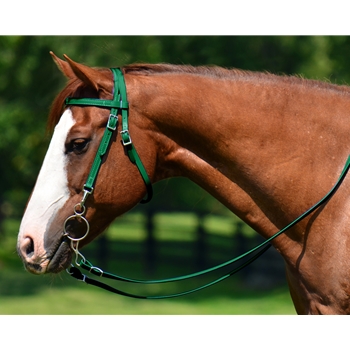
x,y
59,189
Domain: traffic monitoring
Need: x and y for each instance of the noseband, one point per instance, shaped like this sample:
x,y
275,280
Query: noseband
x,y
119,106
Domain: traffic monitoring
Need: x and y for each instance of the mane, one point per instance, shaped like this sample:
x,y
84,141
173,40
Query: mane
x,y
75,87
164,68
231,74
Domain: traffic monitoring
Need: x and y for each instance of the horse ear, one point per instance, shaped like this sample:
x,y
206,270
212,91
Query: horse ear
x,y
93,77
63,66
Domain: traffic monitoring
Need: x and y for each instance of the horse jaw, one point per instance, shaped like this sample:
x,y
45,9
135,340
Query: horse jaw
x,y
49,195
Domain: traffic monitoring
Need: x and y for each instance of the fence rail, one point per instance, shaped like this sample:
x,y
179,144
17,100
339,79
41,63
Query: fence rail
x,y
187,239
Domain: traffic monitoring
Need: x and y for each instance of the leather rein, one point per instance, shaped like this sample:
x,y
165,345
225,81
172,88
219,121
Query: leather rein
x,y
119,107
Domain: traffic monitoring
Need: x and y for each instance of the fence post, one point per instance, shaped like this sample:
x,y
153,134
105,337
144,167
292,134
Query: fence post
x,y
150,242
102,250
241,245
201,253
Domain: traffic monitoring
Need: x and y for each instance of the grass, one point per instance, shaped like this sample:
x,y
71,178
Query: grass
x,y
33,295
24,294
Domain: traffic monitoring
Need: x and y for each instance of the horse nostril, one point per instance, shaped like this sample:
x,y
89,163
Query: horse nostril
x,y
30,253
27,248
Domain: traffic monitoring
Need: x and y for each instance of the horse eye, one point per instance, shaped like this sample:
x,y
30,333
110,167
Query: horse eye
x,y
78,146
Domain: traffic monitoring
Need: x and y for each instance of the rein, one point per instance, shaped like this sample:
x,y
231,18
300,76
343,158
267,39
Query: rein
x,y
120,106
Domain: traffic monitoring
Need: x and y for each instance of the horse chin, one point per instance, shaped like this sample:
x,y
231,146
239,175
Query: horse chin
x,y
61,259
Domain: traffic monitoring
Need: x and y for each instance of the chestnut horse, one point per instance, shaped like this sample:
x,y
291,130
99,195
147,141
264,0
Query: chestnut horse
x,y
268,147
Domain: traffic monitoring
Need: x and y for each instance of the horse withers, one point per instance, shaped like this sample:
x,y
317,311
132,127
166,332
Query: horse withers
x,y
268,147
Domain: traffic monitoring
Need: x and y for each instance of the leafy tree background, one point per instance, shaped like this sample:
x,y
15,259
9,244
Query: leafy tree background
x,y
29,81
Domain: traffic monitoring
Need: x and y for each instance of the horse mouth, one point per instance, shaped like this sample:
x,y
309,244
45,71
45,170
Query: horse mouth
x,y
61,258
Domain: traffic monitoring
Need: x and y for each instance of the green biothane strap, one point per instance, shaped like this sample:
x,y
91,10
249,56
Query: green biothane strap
x,y
118,104
76,273
258,250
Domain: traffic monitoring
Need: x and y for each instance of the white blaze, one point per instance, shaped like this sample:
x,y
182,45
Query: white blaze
x,y
51,190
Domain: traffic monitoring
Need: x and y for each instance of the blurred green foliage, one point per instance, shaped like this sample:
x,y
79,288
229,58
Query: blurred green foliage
x,y
29,81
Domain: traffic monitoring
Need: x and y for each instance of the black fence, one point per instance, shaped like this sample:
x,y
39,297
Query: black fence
x,y
204,250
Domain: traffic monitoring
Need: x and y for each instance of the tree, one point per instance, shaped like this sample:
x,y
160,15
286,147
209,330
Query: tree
x,y
29,81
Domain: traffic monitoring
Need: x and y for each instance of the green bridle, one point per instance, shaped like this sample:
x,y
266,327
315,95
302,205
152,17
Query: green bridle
x,y
119,105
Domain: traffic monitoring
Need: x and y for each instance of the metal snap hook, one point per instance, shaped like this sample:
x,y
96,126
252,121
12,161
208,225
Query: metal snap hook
x,y
82,209
77,254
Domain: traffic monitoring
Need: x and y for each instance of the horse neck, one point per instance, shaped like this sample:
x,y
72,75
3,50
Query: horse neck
x,y
259,146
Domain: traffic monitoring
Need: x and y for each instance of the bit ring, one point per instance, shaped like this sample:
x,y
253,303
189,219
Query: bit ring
x,y
72,217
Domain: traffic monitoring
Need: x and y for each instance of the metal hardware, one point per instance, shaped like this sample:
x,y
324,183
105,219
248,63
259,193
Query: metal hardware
x,y
87,192
96,269
112,124
128,141
72,217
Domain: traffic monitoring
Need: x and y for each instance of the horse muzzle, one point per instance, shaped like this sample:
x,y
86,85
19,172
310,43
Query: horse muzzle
x,y
39,261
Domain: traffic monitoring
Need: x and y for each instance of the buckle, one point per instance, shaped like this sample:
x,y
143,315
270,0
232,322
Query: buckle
x,y
96,270
112,122
126,139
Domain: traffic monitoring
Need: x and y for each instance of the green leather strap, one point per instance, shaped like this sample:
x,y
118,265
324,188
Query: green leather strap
x,y
119,105
76,273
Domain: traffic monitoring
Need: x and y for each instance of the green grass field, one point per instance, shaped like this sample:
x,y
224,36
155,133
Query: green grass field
x,y
24,294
